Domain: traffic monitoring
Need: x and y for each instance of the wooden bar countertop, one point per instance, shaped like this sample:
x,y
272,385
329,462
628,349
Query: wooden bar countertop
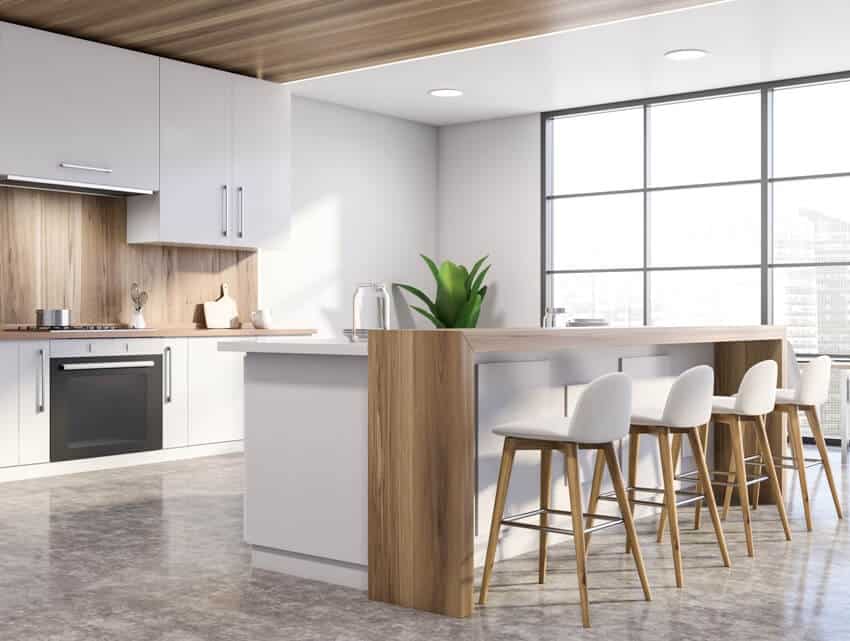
x,y
166,332
483,341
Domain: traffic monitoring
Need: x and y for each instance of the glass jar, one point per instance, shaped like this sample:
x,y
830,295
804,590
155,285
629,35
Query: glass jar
x,y
554,317
370,309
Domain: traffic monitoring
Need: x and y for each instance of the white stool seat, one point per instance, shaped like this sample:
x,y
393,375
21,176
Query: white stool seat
x,y
725,405
785,396
550,428
648,416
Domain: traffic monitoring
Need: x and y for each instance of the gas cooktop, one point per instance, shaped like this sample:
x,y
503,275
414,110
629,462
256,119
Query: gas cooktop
x,y
67,328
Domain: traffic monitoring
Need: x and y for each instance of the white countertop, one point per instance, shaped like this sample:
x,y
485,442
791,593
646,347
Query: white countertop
x,y
307,346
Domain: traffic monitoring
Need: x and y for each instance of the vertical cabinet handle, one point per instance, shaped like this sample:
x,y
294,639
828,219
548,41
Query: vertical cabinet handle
x,y
241,229
41,402
224,211
168,374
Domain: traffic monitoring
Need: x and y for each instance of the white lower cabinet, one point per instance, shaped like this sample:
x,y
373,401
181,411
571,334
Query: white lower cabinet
x,y
203,397
34,402
8,404
216,392
175,393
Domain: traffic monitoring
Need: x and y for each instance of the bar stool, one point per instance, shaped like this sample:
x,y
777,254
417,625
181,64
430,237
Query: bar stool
x,y
601,416
756,398
812,391
687,409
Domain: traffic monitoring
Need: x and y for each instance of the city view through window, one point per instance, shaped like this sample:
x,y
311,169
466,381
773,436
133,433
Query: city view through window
x,y
726,208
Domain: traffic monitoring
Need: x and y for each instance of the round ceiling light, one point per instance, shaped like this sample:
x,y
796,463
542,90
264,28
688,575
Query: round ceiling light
x,y
681,55
445,93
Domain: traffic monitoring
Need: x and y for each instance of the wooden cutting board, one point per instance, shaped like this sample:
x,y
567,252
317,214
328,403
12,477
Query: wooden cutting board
x,y
222,313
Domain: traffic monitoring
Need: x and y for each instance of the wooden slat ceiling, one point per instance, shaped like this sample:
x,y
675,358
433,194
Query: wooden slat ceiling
x,y
285,40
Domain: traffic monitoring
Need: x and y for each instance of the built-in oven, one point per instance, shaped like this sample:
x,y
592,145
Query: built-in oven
x,y
105,405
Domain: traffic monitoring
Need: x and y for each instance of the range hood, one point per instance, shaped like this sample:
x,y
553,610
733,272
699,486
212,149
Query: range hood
x,y
69,186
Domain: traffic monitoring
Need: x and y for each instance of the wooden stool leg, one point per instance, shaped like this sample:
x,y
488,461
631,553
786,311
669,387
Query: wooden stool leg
x,y
508,451
814,424
756,493
730,479
741,477
702,435
545,493
796,438
767,455
662,520
628,519
574,483
595,489
670,499
634,452
708,492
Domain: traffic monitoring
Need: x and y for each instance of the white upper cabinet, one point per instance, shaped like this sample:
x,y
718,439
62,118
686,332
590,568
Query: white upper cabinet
x,y
260,162
193,202
223,162
77,111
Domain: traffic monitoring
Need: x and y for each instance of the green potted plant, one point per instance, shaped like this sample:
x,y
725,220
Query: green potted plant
x,y
460,293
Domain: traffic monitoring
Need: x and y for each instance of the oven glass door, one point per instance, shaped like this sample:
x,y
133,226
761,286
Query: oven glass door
x,y
105,405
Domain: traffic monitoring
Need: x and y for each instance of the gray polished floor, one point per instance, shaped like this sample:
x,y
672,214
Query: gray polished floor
x,y
154,552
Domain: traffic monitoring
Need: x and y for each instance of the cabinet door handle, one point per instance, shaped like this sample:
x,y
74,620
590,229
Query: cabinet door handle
x,y
167,374
241,193
225,211
41,381
73,165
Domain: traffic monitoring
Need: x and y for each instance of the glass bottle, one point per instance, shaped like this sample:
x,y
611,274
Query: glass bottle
x,y
370,309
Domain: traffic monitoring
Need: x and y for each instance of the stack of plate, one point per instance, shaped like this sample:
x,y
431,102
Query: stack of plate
x,y
588,322
361,333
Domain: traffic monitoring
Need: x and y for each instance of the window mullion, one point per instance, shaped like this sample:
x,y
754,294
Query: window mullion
x,y
646,221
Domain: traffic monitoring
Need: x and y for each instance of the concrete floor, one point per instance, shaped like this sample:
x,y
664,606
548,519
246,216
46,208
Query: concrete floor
x,y
155,553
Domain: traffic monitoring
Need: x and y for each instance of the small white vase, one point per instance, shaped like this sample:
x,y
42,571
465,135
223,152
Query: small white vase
x,y
137,320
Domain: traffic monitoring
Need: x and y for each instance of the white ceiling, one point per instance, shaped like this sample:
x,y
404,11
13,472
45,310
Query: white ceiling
x,y
749,41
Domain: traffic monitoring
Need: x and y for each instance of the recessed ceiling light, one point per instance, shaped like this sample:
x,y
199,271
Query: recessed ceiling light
x,y
445,93
680,55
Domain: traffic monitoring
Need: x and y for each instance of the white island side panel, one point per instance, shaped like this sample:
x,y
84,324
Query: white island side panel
x,y
306,464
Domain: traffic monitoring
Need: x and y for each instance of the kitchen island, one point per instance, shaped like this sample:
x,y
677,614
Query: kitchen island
x,y
380,471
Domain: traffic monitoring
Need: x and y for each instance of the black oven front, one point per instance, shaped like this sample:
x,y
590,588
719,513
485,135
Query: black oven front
x,y
105,405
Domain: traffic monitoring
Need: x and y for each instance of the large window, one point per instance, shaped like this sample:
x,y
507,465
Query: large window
x,y
723,207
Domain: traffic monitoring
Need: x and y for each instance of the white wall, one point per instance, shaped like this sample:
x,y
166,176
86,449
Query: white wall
x,y
364,203
489,203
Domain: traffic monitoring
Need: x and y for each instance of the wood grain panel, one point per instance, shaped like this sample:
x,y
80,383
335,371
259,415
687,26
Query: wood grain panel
x,y
507,340
68,250
285,40
731,361
421,481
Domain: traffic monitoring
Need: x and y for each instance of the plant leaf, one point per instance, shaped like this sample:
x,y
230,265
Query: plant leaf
x,y
429,316
420,295
467,312
480,279
451,292
474,271
474,322
482,292
432,266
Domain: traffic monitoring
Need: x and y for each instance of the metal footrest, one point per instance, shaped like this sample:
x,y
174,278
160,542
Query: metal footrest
x,y
690,497
781,462
513,521
687,476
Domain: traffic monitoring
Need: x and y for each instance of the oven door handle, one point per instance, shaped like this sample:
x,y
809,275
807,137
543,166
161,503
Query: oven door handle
x,y
75,367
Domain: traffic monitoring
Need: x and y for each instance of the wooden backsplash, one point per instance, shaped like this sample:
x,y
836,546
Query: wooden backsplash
x,y
68,250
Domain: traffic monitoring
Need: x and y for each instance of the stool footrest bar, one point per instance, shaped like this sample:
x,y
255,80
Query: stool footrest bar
x,y
514,521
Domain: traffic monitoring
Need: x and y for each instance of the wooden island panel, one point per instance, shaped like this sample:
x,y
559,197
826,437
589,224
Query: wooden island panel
x,y
421,470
